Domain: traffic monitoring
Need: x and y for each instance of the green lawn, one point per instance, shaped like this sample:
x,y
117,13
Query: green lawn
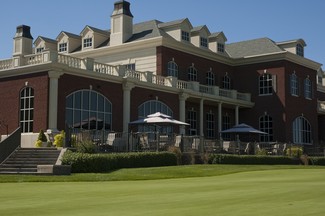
x,y
252,191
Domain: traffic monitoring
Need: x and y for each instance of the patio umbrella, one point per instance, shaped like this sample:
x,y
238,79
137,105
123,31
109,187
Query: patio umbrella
x,y
243,128
158,119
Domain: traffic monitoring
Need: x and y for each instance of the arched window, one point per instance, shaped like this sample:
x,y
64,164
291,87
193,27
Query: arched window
x,y
308,88
88,109
294,84
192,74
172,69
150,107
266,125
301,131
265,84
226,82
210,78
27,110
300,50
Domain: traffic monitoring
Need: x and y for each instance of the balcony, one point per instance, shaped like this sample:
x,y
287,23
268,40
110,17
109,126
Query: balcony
x,y
88,64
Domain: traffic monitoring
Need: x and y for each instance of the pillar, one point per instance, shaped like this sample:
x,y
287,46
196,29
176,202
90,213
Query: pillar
x,y
53,99
182,111
237,115
201,118
219,117
127,87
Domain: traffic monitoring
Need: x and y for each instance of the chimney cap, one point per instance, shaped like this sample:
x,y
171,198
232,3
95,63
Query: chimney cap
x,y
23,31
122,7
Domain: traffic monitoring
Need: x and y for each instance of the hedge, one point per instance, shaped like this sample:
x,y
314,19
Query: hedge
x,y
319,161
252,159
96,163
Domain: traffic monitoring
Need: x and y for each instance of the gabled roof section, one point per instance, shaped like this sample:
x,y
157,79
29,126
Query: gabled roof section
x,y
252,47
200,28
70,35
175,23
96,30
216,35
296,41
47,40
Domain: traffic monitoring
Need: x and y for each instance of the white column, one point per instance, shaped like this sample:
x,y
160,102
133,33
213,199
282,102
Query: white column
x,y
127,87
219,117
237,115
53,99
182,111
201,117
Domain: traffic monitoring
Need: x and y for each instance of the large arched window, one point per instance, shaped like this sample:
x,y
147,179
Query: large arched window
x,y
88,109
266,125
172,69
27,110
150,107
301,131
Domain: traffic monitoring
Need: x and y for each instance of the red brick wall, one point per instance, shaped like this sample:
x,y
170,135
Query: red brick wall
x,y
9,100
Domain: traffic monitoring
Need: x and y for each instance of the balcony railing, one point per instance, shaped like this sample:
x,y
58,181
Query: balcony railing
x,y
321,107
90,65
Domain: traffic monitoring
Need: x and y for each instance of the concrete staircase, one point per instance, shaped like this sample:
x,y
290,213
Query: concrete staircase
x,y
26,160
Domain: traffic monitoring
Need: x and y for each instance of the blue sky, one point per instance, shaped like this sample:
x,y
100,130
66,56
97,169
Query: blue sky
x,y
240,20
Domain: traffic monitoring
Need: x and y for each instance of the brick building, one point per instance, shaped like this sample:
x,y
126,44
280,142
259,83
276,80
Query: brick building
x,y
103,79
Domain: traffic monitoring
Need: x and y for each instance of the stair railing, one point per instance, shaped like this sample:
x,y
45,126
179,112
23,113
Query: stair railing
x,y
10,144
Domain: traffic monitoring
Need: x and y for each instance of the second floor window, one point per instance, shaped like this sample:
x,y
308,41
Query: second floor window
x,y
88,42
265,84
226,82
172,69
192,74
308,88
210,78
63,47
39,50
294,85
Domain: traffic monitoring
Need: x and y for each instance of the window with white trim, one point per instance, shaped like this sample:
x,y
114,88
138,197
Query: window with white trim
x,y
172,69
225,126
88,42
265,84
192,120
203,42
221,47
210,78
210,127
302,133
185,36
294,84
308,88
63,47
192,74
266,125
300,50
88,109
27,110
39,50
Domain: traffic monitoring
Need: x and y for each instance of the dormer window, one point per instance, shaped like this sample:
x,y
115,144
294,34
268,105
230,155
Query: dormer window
x,y
88,42
299,50
221,48
203,42
63,47
39,50
185,36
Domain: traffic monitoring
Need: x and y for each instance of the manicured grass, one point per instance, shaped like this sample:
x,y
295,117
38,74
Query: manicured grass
x,y
268,191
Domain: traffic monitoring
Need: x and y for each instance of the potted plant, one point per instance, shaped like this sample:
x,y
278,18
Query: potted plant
x,y
59,139
41,140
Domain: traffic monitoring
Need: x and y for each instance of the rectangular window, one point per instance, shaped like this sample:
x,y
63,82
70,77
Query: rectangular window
x,y
266,84
308,89
130,66
185,36
225,126
294,85
88,42
63,47
221,47
191,117
39,50
210,125
203,42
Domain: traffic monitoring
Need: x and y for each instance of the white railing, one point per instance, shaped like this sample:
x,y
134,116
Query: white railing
x,y
105,69
70,61
89,64
6,64
33,59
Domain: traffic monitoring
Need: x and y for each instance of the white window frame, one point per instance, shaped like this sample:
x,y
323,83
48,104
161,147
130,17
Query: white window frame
x,y
294,85
210,81
266,125
172,69
302,133
63,47
185,36
204,42
26,118
88,42
221,47
300,50
266,84
226,82
192,73
308,88
192,121
210,125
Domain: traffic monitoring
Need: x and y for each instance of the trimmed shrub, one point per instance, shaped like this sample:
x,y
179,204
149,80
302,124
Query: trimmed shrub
x,y
252,159
319,161
96,163
294,151
59,139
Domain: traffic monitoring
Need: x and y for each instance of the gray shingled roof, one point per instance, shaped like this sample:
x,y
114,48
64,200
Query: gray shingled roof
x,y
171,23
71,35
252,47
49,40
100,31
